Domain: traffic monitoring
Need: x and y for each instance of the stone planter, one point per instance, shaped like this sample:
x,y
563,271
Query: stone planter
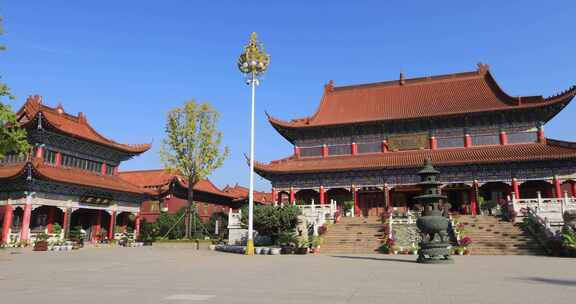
x,y
275,251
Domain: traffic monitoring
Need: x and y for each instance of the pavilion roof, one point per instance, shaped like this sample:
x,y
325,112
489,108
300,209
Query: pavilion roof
x,y
160,180
75,126
68,176
551,150
241,194
417,98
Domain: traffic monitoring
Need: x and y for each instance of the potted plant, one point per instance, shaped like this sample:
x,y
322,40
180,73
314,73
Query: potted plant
x,y
77,237
287,242
302,247
56,230
391,244
41,243
315,243
414,249
348,208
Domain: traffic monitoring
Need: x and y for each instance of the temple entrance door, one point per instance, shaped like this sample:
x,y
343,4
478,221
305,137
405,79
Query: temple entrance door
x,y
371,203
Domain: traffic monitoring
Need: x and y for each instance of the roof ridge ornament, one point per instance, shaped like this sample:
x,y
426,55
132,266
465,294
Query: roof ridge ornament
x,y
483,68
402,79
329,87
60,108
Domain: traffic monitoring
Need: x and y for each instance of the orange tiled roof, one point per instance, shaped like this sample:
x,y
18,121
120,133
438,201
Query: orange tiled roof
x,y
70,176
552,150
76,126
160,179
241,193
415,98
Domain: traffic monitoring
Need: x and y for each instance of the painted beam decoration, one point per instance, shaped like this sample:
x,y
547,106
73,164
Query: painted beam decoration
x,y
409,142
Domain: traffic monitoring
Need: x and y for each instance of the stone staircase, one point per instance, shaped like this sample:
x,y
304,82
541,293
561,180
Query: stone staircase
x,y
493,236
353,235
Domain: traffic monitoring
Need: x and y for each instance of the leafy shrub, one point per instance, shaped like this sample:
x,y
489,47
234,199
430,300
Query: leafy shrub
x,y
273,220
56,229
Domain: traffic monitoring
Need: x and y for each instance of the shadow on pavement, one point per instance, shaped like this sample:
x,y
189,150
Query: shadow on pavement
x,y
384,259
550,281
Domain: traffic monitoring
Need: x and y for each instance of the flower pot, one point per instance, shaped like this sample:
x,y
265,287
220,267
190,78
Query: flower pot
x,y
302,250
265,250
287,250
395,252
212,247
41,246
275,251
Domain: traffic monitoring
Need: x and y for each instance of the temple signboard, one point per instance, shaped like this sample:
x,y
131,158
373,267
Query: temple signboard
x,y
408,142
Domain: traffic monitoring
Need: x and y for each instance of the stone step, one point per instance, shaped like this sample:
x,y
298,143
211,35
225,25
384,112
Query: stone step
x,y
492,236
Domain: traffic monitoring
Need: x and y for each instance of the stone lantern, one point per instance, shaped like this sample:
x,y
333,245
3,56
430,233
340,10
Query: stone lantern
x,y
434,222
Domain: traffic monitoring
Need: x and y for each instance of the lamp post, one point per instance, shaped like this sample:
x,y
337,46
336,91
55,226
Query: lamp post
x,y
253,62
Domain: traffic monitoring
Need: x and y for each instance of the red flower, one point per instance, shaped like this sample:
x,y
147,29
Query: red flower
x,y
466,241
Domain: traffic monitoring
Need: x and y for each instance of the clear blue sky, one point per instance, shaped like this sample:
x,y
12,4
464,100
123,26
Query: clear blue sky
x,y
126,63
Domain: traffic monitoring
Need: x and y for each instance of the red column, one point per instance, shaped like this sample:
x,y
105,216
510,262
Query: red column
x,y
103,170
116,170
65,227
541,137
467,141
292,196
433,143
354,148
386,197
137,226
324,150
503,138
111,225
297,151
473,202
274,196
97,225
58,159
515,188
24,233
6,224
356,201
322,196
384,146
39,152
50,219
573,188
557,187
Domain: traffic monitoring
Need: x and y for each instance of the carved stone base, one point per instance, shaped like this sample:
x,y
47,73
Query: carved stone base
x,y
434,253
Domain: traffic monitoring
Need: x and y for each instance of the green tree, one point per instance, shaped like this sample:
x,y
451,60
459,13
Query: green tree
x,y
192,147
12,138
273,221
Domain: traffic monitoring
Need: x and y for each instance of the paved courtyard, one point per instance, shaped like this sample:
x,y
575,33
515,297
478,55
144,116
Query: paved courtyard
x,y
184,275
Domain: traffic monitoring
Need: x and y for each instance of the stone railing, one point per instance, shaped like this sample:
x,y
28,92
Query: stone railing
x,y
541,205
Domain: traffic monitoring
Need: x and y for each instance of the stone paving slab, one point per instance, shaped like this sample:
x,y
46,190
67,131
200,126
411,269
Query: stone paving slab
x,y
185,275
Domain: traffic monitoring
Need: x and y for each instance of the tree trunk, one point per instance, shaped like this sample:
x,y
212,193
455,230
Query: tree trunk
x,y
190,211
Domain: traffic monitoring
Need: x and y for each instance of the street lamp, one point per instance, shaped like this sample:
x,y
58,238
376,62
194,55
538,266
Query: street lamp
x,y
253,62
